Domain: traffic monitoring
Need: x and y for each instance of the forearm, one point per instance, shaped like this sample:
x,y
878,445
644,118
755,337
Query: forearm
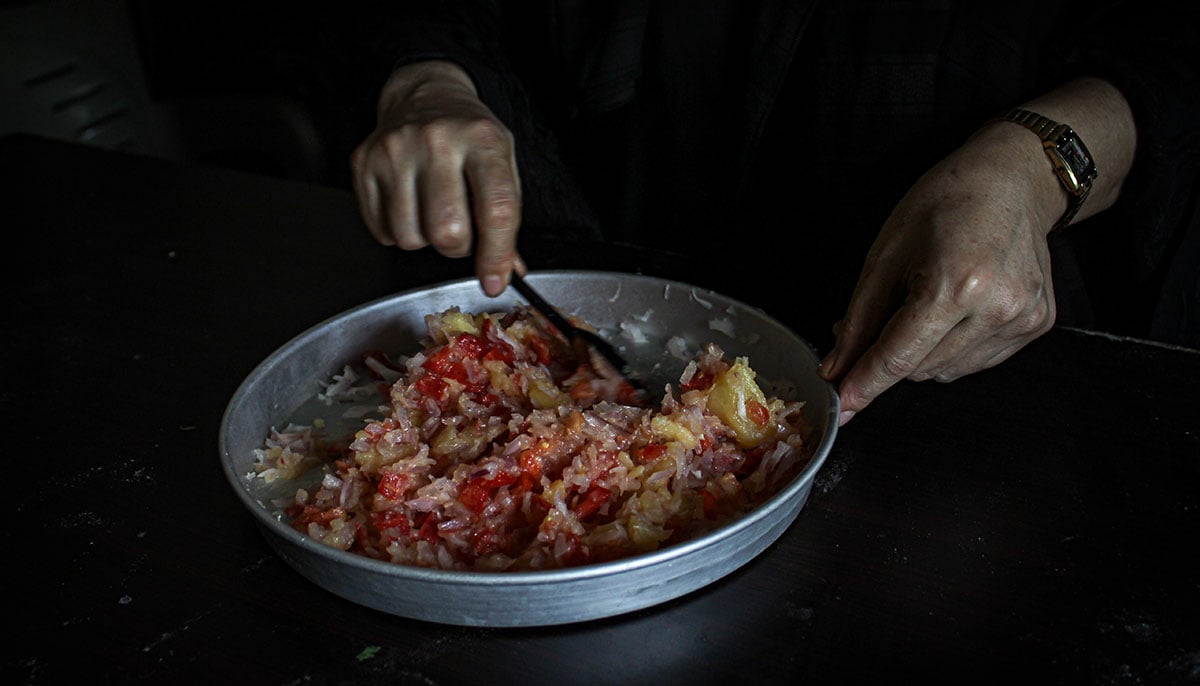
x,y
1102,118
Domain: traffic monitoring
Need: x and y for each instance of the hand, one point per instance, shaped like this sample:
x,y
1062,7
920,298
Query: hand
x,y
440,169
959,277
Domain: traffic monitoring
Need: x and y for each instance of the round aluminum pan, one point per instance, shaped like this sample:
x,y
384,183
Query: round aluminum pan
x,y
640,315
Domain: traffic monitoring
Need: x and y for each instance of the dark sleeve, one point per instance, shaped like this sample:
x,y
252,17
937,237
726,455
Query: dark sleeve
x,y
1149,50
460,31
471,34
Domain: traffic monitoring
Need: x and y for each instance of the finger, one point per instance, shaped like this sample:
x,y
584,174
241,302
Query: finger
x,y
905,341
1005,353
399,211
496,203
366,187
966,342
444,213
974,356
387,199
980,340
983,357
874,296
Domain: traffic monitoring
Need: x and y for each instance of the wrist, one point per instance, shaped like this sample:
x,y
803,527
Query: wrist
x,y
1017,155
1067,154
413,80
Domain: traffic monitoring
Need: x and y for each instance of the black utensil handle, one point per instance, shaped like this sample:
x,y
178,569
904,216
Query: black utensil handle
x,y
564,327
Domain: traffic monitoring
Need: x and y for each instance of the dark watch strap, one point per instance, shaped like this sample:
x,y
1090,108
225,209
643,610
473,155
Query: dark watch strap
x,y
1069,156
1042,126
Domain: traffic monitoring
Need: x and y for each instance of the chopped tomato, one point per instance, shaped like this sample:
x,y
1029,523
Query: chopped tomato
x,y
501,479
699,381
477,493
440,361
432,386
591,502
531,464
392,519
475,496
486,541
650,452
393,485
526,482
448,360
531,458
758,413
628,395
428,529
485,398
541,347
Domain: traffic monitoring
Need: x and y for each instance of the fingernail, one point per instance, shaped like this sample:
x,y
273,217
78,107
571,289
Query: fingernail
x,y
493,285
845,416
826,365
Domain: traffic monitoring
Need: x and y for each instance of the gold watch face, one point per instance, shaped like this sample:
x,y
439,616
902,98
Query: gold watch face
x,y
1063,168
1076,158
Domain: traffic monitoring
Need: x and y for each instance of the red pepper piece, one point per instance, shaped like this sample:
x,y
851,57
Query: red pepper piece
x,y
475,496
591,502
393,485
758,413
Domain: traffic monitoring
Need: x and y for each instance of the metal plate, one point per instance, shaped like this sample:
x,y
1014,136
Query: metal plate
x,y
638,313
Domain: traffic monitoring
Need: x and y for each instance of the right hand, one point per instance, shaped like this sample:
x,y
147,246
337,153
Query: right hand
x,y
440,169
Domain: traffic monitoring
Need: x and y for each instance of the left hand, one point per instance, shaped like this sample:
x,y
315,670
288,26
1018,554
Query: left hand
x,y
959,277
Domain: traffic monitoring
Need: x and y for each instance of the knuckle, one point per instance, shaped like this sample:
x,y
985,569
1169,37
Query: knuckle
x,y
1022,312
1036,321
489,133
1008,307
447,234
970,287
897,366
439,137
502,212
947,375
451,238
395,145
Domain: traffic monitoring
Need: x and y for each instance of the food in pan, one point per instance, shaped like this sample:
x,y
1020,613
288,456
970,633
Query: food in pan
x,y
500,449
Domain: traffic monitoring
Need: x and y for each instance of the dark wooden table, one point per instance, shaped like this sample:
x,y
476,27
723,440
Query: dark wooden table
x,y
1036,522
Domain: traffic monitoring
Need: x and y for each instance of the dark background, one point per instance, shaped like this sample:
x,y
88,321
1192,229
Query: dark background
x,y
289,90
281,89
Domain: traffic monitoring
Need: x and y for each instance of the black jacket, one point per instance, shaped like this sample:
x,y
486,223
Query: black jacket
x,y
693,126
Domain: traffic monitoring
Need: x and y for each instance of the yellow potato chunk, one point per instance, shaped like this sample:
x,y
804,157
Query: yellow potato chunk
x,y
543,392
673,431
459,322
736,398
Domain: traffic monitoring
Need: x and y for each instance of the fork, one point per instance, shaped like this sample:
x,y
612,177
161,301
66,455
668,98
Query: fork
x,y
578,336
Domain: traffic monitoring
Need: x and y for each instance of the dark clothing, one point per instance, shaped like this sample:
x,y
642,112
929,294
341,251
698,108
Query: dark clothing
x,y
692,126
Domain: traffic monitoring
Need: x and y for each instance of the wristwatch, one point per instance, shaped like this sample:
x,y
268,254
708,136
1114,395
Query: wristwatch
x,y
1072,162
